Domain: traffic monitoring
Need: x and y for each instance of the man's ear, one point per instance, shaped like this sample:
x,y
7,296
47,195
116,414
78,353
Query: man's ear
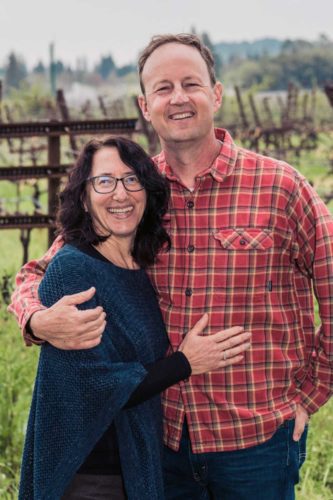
x,y
218,92
144,108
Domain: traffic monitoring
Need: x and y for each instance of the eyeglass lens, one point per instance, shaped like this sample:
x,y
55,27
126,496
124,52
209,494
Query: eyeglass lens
x,y
108,183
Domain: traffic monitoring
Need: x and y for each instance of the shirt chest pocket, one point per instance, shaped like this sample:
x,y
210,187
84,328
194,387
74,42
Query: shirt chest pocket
x,y
242,261
244,239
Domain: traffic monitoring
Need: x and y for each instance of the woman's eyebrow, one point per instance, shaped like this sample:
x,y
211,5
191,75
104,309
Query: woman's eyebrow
x,y
112,175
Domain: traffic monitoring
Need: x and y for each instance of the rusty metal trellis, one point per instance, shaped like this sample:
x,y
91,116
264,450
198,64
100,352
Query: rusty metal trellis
x,y
54,170
79,127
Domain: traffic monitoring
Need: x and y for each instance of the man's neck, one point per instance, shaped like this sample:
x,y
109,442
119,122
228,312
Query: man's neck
x,y
188,159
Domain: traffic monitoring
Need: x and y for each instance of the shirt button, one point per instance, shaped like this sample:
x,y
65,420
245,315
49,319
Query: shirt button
x,y
190,248
190,204
188,292
242,242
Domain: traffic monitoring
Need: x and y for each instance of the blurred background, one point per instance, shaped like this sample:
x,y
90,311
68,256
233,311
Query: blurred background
x,y
68,71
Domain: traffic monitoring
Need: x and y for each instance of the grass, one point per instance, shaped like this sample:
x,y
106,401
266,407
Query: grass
x,y
17,370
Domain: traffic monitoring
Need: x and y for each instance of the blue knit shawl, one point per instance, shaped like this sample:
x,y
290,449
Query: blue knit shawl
x,y
78,394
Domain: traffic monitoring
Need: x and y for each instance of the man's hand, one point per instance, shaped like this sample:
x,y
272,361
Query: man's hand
x,y
301,419
66,327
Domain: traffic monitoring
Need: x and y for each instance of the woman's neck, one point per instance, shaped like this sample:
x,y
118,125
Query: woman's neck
x,y
117,252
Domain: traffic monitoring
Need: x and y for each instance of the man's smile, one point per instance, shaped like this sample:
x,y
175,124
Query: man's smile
x,y
181,116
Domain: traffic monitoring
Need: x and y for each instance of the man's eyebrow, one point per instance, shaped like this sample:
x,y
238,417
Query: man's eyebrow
x,y
161,82
197,78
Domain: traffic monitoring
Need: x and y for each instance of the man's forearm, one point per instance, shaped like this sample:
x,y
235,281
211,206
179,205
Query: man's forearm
x,y
25,300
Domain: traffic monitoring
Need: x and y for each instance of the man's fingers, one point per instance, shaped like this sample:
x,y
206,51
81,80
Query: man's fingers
x,y
301,419
90,315
93,333
298,429
79,324
74,345
78,298
83,329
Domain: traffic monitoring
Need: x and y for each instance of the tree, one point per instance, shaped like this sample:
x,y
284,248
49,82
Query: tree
x,y
125,70
15,71
295,46
218,62
59,66
39,68
106,66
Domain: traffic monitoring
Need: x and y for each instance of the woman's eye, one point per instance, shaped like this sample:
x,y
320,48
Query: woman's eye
x,y
104,181
132,179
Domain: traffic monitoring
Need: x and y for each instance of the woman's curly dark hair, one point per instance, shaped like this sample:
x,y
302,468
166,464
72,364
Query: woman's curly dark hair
x,y
74,223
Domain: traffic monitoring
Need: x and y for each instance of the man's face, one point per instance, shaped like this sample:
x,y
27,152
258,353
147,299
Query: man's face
x,y
180,100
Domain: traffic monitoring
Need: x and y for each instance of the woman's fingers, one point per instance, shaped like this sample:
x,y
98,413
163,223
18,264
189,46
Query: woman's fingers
x,y
231,353
235,341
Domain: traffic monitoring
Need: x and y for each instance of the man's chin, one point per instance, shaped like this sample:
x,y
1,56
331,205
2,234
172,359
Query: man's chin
x,y
181,136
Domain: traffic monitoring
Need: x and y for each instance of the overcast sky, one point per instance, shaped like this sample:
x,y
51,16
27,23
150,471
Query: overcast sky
x,y
91,28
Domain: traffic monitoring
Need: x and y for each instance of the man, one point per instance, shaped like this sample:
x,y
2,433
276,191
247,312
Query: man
x,y
249,239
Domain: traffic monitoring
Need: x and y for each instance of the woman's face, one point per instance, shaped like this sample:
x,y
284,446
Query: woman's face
x,y
119,212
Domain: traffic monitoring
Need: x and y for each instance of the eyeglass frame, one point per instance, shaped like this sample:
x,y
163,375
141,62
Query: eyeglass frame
x,y
117,179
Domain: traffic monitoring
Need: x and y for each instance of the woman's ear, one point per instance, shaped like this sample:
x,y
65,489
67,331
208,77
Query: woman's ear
x,y
84,203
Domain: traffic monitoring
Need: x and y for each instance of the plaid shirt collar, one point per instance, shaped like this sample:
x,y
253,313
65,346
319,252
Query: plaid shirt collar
x,y
221,168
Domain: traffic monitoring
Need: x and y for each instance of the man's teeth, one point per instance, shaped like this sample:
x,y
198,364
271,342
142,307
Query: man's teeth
x,y
120,210
181,116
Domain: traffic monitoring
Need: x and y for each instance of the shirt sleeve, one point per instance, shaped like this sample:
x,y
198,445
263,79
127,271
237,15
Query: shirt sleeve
x,y
25,300
313,227
160,375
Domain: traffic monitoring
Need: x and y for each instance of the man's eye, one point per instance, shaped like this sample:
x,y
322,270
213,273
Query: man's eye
x,y
163,90
191,85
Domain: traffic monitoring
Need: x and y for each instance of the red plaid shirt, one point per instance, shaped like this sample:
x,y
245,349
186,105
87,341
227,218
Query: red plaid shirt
x,y
247,245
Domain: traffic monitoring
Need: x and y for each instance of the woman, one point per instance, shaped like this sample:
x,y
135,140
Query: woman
x,y
95,419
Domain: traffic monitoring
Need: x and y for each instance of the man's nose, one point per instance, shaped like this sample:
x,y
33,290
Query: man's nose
x,y
179,96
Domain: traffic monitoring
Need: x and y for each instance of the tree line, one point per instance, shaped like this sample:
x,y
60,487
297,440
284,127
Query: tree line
x,y
301,62
267,64
15,71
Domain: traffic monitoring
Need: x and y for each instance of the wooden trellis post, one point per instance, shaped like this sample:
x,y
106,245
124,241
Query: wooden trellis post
x,y
53,182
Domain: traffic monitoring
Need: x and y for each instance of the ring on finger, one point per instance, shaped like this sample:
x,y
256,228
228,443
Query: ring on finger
x,y
225,355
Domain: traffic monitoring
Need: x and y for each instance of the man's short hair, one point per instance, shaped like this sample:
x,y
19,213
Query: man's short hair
x,y
184,39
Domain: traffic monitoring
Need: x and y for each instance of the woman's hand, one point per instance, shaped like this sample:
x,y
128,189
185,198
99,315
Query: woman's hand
x,y
212,352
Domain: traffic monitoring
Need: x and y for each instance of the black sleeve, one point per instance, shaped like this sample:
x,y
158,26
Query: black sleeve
x,y
161,375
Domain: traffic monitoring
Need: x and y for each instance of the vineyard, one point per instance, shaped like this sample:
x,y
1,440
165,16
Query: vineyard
x,y
35,156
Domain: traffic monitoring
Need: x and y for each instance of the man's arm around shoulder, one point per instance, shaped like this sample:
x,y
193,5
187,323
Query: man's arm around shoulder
x,y
62,325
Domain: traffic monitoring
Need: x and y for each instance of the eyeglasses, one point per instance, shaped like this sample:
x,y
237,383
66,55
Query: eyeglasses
x,y
104,184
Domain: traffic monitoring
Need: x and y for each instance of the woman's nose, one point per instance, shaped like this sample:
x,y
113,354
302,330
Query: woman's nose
x,y
120,192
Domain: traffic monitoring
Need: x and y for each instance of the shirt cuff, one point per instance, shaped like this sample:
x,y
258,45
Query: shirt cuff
x,y
28,336
313,397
